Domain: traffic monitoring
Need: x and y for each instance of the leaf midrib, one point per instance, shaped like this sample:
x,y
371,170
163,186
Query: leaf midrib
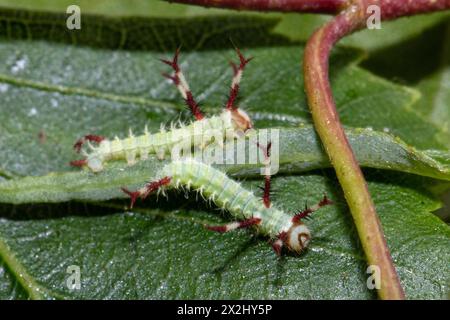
x,y
39,85
34,290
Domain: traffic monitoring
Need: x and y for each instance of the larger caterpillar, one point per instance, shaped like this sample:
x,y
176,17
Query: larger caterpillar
x,y
231,123
283,229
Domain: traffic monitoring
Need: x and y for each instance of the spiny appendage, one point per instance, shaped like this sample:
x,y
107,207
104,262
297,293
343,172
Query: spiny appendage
x,y
305,213
78,163
79,144
237,71
180,81
240,118
87,138
277,245
147,189
234,225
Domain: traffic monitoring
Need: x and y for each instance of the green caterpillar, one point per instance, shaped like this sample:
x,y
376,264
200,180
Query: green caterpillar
x,y
230,124
282,228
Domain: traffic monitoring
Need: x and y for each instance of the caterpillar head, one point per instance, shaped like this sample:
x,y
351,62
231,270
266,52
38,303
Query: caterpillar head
x,y
240,119
297,237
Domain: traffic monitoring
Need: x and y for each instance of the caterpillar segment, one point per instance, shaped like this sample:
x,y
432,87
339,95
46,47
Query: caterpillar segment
x,y
231,123
284,230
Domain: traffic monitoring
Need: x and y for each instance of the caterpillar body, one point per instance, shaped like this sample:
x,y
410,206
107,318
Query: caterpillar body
x,y
230,124
283,229
200,133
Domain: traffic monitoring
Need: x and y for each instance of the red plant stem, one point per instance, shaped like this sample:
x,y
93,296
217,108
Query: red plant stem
x,y
312,6
391,9
330,130
352,17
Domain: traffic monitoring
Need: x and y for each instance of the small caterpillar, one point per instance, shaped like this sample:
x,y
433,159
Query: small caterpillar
x,y
282,228
231,123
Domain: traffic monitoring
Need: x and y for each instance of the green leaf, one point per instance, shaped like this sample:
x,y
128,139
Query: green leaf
x,y
426,67
57,85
